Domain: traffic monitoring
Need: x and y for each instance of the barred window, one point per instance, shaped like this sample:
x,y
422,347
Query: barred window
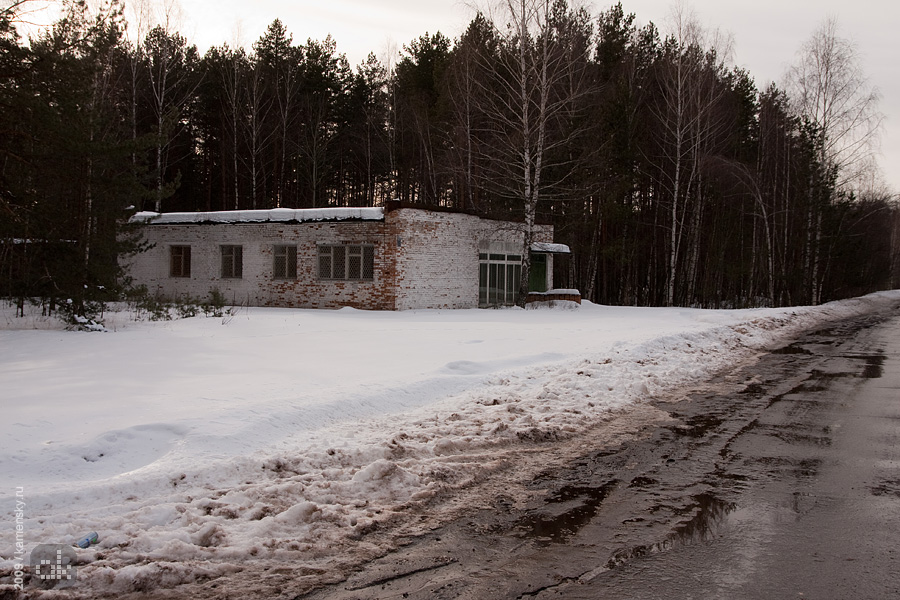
x,y
350,262
179,261
285,266
232,262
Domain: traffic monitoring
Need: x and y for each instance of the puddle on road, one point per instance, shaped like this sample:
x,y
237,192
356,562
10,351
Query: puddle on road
x,y
709,513
874,363
697,426
799,437
813,386
792,349
887,487
799,469
874,367
558,528
642,482
754,388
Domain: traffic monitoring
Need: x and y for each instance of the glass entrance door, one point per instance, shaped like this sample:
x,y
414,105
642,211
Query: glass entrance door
x,y
498,278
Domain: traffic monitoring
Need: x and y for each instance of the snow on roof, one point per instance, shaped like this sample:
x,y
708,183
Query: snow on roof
x,y
550,248
275,215
24,241
559,292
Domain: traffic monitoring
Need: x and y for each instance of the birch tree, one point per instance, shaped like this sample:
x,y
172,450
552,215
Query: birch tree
x,y
420,118
828,85
325,76
280,63
526,99
689,80
467,123
829,88
367,127
228,69
258,136
171,69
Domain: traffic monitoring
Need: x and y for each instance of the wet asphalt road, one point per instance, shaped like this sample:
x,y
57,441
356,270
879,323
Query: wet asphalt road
x,y
777,481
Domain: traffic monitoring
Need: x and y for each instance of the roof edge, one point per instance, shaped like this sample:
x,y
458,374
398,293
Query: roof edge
x,y
274,215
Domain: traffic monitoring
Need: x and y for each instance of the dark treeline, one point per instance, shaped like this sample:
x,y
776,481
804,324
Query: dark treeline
x,y
672,177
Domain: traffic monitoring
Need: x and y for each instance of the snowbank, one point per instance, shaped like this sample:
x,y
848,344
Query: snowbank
x,y
279,435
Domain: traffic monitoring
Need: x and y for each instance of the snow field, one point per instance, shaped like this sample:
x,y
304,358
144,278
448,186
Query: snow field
x,y
197,447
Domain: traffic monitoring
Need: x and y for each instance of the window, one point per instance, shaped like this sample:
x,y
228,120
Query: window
x,y
350,262
179,261
232,262
285,265
499,272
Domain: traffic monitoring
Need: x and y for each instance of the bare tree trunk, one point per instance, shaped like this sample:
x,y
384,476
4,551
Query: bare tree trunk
x,y
257,138
593,260
815,287
688,127
170,91
680,131
233,87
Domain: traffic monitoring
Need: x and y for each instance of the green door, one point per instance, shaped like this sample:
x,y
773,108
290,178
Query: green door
x,y
537,279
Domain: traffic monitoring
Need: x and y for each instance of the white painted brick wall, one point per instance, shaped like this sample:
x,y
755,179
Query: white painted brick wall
x,y
435,264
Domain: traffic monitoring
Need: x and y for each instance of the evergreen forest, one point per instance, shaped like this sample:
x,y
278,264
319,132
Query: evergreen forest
x,y
674,179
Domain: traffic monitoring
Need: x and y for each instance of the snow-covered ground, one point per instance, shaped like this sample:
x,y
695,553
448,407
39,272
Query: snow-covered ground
x,y
289,435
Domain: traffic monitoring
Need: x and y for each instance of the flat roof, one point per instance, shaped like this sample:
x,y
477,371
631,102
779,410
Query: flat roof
x,y
274,215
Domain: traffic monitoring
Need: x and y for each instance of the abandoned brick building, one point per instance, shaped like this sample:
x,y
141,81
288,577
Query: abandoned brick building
x,y
391,258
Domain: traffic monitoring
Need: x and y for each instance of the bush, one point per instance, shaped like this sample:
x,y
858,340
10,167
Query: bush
x,y
215,306
156,308
86,315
